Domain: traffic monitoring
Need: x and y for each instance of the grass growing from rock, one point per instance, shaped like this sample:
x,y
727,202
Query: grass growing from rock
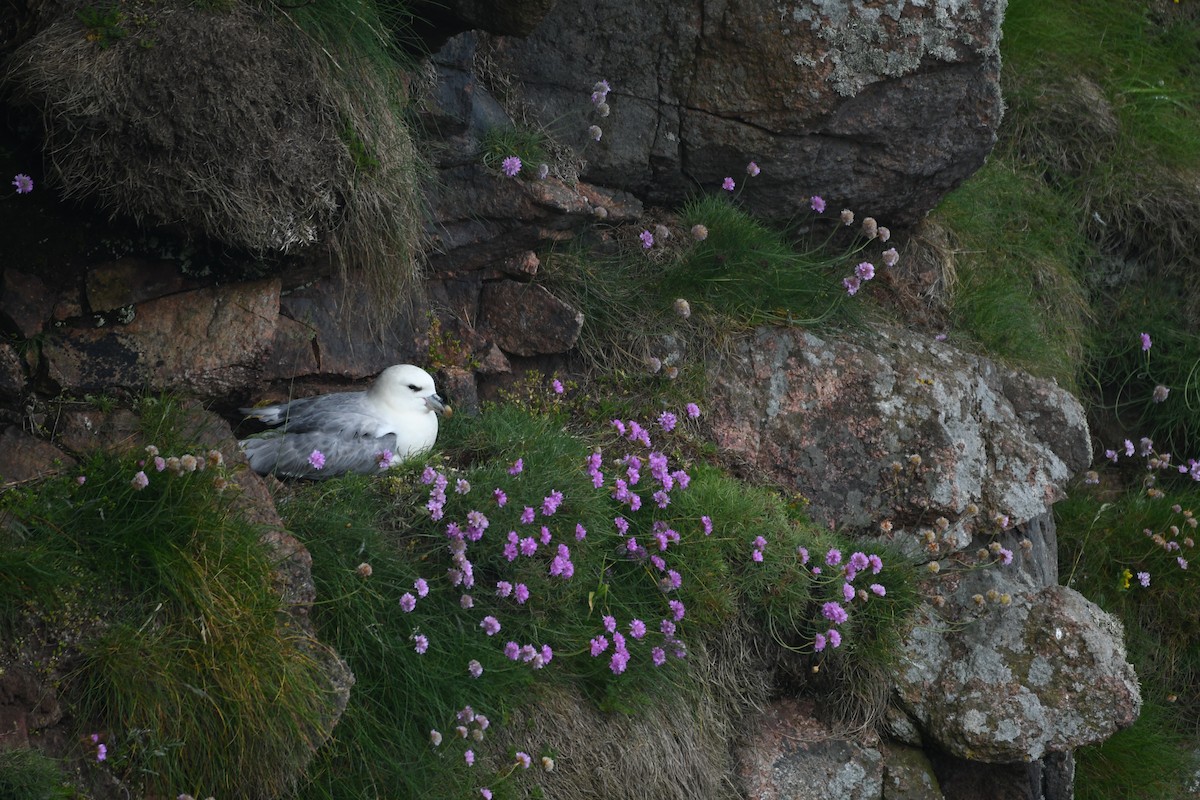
x,y
415,667
27,774
152,613
1017,288
716,271
1105,551
1078,236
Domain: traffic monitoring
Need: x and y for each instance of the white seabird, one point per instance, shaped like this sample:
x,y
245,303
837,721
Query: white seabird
x,y
350,431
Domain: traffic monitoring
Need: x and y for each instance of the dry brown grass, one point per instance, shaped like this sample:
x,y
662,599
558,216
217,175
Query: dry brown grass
x,y
678,747
235,125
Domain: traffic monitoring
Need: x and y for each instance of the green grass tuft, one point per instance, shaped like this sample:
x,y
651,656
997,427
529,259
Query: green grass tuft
x,y
27,774
1018,258
1125,377
169,626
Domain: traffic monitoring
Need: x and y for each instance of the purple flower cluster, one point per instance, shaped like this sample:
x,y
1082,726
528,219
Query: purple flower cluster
x,y
844,572
535,657
1155,461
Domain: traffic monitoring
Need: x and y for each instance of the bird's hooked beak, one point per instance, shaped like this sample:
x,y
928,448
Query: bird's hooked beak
x,y
438,406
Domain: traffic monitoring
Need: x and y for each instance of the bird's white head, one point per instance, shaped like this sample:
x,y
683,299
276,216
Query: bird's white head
x,y
409,387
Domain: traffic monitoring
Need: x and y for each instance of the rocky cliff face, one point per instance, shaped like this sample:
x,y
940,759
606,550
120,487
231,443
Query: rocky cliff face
x,y
951,457
883,106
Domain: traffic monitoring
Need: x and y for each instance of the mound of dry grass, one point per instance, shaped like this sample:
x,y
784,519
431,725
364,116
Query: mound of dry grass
x,y
234,124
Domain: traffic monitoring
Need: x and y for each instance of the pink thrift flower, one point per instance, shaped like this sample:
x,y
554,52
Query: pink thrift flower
x,y
420,643
1146,343
517,467
637,628
474,668
24,185
1144,578
851,285
490,625
878,589
706,523
557,386
501,497
658,656
647,239
819,642
469,757
833,557
580,532
521,593
752,169
316,459
834,613
407,602
865,271
847,592
511,166
678,611
835,638
524,760
139,481
727,184
818,204
757,556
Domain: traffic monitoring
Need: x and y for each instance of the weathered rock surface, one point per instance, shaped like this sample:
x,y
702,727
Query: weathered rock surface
x,y
209,342
527,320
792,756
889,425
1045,674
880,107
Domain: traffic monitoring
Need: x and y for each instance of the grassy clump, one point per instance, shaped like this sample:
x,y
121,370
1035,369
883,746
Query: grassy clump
x,y
1105,542
742,273
528,145
27,774
166,623
1126,377
1016,288
384,737
1103,102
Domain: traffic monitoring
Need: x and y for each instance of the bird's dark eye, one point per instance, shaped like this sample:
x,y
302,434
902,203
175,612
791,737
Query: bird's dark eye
x,y
414,387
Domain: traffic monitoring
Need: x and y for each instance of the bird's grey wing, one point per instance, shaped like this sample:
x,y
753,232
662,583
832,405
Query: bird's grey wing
x,y
345,413
289,454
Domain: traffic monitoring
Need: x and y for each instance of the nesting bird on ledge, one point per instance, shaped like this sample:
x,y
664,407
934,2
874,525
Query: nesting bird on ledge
x,y
331,434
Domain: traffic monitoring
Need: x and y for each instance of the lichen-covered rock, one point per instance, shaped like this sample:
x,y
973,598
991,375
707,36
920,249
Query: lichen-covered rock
x,y
908,775
790,755
882,107
892,426
1045,674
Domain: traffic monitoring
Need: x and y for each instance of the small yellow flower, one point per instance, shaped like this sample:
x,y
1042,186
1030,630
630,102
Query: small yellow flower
x,y
1125,576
